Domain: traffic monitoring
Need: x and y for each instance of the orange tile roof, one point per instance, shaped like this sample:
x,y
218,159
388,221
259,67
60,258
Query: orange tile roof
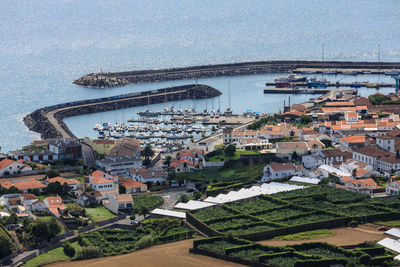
x,y
124,198
179,162
97,173
5,163
132,184
24,185
352,114
339,104
354,139
101,180
62,180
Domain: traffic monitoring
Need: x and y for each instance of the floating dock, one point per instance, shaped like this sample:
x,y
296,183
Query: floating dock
x,y
353,84
296,90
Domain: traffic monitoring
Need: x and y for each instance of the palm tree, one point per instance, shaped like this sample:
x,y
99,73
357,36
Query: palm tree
x,y
147,152
167,160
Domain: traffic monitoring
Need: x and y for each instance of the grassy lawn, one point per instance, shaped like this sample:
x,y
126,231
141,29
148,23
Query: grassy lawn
x,y
147,201
51,256
99,214
234,157
389,223
238,171
306,235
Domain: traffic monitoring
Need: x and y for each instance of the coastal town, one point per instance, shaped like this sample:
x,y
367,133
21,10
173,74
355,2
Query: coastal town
x,y
248,179
200,133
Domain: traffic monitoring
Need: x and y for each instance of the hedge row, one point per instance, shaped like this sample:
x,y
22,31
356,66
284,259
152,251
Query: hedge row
x,y
175,237
202,227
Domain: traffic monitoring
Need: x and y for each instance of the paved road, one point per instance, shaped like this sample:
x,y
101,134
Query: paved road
x,y
87,154
171,197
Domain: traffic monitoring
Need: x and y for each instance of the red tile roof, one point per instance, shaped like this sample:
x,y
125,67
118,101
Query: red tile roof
x,y
132,184
123,198
282,166
101,180
5,163
62,180
24,185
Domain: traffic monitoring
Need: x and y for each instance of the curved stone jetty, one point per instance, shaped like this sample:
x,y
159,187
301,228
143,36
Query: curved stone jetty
x,y
49,121
112,79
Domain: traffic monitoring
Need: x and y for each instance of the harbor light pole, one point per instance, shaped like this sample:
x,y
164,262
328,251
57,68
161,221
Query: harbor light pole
x,y
323,52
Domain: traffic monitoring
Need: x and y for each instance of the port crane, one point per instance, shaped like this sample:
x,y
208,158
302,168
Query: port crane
x,y
397,79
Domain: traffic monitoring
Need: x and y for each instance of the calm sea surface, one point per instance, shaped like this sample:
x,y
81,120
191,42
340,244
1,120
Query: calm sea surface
x,y
45,45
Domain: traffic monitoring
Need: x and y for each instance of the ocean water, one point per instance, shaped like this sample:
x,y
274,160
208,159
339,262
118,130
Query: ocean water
x,y
45,45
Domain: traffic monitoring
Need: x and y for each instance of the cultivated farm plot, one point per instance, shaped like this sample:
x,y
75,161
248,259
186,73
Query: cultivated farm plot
x,y
306,254
255,205
213,213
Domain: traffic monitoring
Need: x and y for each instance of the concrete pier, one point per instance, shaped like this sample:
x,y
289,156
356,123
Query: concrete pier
x,y
48,121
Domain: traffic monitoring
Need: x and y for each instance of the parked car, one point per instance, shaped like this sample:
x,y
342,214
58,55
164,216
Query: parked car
x,y
134,222
383,228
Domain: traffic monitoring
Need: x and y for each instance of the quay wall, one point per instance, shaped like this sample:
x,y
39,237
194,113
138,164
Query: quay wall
x,y
113,79
40,120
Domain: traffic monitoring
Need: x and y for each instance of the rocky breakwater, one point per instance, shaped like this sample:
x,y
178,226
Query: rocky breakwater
x,y
49,121
146,76
100,80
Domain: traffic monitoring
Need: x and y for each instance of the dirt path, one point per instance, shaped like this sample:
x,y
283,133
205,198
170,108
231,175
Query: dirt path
x,y
173,254
342,237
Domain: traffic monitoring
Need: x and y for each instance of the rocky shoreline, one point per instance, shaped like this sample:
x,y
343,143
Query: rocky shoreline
x,y
40,120
113,79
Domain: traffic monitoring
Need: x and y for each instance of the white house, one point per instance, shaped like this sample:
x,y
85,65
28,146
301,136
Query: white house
x,y
120,202
147,175
312,161
362,185
393,188
276,170
101,184
25,186
10,167
351,117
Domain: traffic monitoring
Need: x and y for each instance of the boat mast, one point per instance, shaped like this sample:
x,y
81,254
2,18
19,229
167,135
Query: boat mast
x,y
229,93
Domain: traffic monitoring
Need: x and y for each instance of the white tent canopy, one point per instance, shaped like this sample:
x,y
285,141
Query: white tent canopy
x,y
193,205
264,189
306,180
393,232
390,244
169,213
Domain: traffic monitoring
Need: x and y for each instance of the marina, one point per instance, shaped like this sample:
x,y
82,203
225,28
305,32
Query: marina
x,y
170,128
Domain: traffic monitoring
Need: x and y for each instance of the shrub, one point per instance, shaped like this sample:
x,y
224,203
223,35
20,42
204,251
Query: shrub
x,y
89,253
353,223
364,259
5,246
68,249
145,242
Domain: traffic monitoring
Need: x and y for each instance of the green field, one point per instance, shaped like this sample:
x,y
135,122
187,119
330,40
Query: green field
x,y
146,201
99,214
234,157
306,235
51,256
234,172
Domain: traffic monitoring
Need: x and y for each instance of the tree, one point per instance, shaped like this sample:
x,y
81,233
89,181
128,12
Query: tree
x,y
305,119
143,211
122,189
5,246
327,142
230,150
294,155
167,161
55,188
197,195
184,198
68,249
354,173
147,153
52,173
